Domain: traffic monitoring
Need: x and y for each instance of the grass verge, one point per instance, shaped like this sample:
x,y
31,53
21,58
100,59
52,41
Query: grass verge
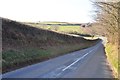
x,y
112,56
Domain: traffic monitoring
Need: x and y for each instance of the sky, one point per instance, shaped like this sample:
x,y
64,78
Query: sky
x,y
47,10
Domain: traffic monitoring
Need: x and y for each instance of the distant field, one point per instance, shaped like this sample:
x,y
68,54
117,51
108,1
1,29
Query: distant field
x,y
53,22
58,26
70,29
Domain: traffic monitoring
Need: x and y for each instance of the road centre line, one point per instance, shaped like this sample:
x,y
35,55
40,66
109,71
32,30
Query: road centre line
x,y
78,59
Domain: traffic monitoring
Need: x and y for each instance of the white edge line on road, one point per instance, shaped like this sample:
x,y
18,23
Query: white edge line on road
x,y
79,59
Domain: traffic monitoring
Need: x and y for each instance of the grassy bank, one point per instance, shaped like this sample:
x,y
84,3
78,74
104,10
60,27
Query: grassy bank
x,y
14,59
112,56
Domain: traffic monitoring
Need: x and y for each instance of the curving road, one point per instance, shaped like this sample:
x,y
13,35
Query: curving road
x,y
86,63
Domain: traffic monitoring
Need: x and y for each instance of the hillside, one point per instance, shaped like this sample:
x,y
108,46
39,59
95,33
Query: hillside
x,y
23,45
19,35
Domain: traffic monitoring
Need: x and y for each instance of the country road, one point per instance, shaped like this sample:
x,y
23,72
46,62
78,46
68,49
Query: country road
x,y
86,63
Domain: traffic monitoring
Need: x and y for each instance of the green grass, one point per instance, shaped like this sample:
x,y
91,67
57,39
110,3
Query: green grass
x,y
11,57
112,55
53,22
70,29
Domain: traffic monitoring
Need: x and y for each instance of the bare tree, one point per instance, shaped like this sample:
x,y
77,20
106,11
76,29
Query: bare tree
x,y
108,18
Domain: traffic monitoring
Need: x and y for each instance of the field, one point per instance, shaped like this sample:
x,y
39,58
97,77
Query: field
x,y
23,45
59,27
70,29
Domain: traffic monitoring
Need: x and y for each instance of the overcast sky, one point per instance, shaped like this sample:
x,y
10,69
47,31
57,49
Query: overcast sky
x,y
46,10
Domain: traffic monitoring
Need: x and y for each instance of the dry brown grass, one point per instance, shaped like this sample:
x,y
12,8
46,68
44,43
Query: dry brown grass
x,y
112,56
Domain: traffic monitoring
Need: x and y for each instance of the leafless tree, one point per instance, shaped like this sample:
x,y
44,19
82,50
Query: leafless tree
x,y
108,17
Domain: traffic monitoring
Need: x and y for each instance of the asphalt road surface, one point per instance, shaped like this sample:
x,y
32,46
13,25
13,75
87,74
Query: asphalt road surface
x,y
86,63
